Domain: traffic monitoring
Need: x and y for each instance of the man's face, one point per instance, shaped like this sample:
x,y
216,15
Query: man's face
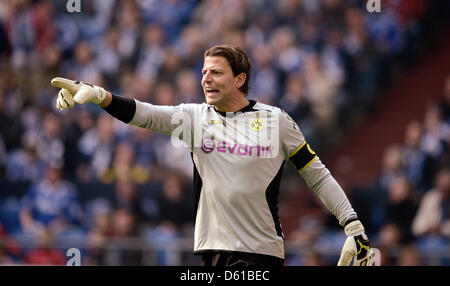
x,y
218,81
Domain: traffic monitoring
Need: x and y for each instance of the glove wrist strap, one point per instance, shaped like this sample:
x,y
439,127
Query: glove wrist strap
x,y
354,228
100,94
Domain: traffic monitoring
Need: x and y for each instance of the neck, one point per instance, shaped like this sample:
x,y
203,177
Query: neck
x,y
233,105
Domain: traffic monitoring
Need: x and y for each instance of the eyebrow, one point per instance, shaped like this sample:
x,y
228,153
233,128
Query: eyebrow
x,y
212,69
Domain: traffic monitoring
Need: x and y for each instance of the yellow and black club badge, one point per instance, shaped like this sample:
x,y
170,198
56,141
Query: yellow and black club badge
x,y
256,124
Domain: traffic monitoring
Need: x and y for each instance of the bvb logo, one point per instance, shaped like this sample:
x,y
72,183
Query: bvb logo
x,y
256,125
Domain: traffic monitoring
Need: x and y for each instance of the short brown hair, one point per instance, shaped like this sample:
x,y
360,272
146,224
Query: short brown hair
x,y
237,59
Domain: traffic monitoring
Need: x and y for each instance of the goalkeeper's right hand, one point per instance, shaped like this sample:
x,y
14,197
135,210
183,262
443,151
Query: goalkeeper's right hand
x,y
76,91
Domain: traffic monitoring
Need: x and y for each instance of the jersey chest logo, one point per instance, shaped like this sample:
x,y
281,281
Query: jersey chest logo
x,y
209,145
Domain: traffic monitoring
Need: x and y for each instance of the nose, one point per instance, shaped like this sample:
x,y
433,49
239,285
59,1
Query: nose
x,y
206,77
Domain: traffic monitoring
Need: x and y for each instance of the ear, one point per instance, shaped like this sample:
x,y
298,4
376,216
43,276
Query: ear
x,y
240,80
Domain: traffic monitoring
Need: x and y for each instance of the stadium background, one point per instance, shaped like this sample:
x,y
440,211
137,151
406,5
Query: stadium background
x,y
370,91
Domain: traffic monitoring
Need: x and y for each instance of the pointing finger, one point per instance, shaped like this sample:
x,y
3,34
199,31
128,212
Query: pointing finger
x,y
65,83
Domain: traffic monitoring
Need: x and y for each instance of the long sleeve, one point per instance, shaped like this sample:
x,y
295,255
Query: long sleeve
x,y
319,179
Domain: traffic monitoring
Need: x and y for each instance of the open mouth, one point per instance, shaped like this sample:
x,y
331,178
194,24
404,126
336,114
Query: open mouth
x,y
212,92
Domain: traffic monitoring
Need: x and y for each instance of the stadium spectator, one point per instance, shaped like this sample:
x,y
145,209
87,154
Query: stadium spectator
x,y
124,168
288,58
144,147
294,100
123,227
44,30
11,129
320,91
151,53
49,142
109,59
265,79
98,227
50,207
24,164
126,196
83,64
175,206
187,86
435,141
413,157
400,208
75,130
174,220
171,64
436,132
359,53
21,32
96,147
391,168
128,24
433,215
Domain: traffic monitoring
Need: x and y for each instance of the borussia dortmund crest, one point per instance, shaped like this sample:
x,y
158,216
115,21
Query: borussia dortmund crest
x,y
256,125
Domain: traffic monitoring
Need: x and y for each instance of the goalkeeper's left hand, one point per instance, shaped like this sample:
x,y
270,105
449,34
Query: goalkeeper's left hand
x,y
357,248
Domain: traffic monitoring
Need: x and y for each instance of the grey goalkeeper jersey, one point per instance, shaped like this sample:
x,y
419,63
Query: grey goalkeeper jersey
x,y
238,162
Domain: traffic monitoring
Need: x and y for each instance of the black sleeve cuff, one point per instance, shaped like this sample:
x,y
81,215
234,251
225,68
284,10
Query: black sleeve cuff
x,y
122,108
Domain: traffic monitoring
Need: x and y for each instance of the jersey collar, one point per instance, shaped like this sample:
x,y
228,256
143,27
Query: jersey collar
x,y
247,108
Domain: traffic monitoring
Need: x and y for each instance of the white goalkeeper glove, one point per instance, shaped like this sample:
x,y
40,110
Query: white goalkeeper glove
x,y
357,248
76,92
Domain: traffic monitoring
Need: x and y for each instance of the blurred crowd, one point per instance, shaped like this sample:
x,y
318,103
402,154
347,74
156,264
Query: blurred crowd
x,y
80,175
411,197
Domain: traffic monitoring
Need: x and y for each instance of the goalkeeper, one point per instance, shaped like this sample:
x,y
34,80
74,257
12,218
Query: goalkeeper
x,y
238,147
